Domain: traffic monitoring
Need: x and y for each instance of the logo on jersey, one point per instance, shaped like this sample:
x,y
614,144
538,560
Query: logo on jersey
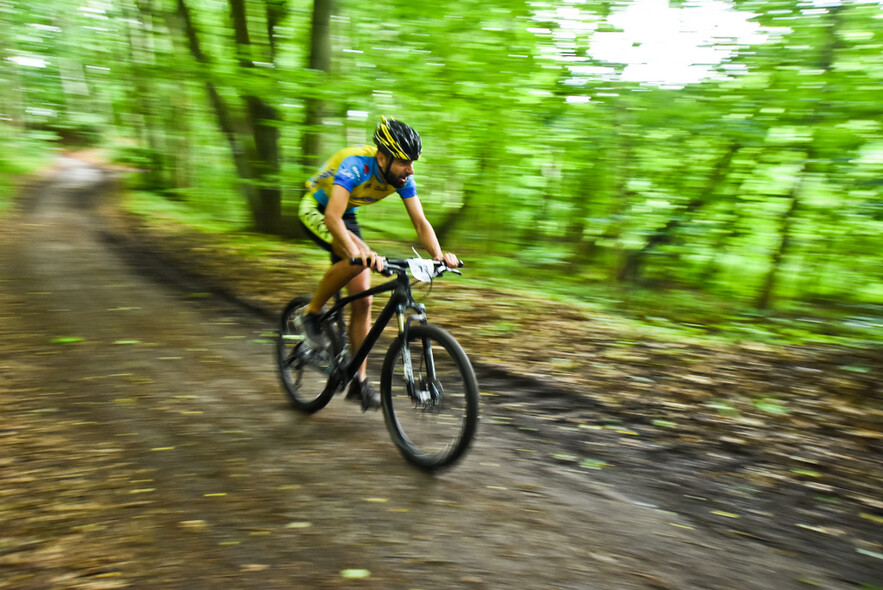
x,y
351,173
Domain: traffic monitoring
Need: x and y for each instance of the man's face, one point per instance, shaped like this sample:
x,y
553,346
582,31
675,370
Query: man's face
x,y
399,171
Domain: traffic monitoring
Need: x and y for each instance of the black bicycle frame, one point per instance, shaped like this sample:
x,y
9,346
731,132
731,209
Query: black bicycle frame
x,y
399,302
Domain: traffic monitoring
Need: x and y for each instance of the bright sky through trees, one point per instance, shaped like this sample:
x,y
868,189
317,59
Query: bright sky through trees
x,y
656,43
665,45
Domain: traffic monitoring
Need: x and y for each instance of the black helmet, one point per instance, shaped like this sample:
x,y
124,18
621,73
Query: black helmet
x,y
397,139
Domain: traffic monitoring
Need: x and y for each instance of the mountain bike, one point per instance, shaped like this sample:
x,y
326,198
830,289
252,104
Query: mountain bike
x,y
428,389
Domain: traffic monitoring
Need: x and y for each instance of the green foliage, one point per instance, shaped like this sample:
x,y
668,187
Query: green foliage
x,y
757,186
21,153
185,213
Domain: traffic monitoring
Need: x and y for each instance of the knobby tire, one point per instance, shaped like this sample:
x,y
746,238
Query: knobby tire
x,y
431,436
304,383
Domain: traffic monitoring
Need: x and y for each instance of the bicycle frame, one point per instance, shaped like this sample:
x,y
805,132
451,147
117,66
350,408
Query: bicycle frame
x,y
431,412
399,303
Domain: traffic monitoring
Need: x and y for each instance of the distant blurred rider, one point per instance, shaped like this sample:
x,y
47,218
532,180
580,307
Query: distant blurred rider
x,y
357,176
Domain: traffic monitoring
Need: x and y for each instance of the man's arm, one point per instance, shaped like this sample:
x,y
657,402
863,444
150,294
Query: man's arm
x,y
426,233
334,211
347,244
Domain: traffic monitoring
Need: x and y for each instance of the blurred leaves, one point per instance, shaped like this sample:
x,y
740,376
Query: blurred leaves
x,y
536,150
67,340
770,406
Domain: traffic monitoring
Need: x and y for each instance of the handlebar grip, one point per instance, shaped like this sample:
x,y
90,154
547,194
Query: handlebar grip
x,y
442,262
358,261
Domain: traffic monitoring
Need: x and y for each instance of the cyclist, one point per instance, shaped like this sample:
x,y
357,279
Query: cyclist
x,y
353,177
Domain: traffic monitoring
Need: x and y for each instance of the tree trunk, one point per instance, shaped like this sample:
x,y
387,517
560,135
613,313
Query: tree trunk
x,y
574,234
253,140
11,87
267,210
140,52
765,299
832,25
314,108
634,260
452,220
614,180
263,145
75,89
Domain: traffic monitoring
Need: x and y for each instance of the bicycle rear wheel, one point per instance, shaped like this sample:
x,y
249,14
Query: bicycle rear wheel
x,y
303,371
433,424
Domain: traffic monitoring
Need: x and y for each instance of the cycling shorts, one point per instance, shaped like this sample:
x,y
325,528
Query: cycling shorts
x,y
312,217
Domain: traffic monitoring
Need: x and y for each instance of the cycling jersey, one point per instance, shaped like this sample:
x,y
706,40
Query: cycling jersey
x,y
355,169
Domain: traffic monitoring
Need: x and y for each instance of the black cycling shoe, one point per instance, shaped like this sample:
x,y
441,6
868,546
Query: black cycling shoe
x,y
310,326
364,393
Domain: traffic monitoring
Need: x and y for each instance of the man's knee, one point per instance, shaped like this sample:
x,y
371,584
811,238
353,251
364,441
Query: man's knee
x,y
362,306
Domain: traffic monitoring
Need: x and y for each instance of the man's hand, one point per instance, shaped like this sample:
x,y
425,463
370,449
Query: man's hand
x,y
369,258
450,260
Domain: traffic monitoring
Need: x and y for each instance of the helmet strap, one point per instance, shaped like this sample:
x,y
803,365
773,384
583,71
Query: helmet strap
x,y
385,173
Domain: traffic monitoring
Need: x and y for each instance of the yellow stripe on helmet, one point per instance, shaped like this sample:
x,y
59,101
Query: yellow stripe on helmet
x,y
388,141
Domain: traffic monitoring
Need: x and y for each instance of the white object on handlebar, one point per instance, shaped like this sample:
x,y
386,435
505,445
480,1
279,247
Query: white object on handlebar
x,y
422,269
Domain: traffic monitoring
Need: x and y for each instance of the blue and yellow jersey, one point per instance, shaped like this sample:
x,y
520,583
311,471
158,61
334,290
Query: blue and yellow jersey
x,y
355,169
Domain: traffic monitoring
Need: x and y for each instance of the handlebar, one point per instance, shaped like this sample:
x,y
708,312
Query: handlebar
x,y
393,266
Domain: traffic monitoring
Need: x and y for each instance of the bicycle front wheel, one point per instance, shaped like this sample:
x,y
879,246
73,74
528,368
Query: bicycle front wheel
x,y
303,373
432,418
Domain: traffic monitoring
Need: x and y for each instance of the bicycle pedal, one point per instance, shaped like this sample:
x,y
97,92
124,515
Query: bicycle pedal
x,y
321,358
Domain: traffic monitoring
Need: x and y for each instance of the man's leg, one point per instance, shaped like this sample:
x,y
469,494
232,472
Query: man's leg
x,y
360,317
356,279
335,278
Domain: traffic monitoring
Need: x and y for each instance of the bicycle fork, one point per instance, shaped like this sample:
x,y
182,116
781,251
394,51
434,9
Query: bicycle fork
x,y
424,393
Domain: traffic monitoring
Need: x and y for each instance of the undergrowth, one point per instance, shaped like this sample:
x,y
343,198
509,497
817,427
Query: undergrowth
x,y
664,314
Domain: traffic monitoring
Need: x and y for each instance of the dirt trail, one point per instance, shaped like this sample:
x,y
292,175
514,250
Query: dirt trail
x,y
146,444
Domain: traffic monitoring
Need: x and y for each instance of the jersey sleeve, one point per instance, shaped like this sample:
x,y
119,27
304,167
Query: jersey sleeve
x,y
409,190
349,173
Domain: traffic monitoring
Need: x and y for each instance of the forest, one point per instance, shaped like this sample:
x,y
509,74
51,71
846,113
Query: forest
x,y
730,149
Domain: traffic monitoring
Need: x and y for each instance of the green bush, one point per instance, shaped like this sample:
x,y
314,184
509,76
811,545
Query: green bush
x,y
21,153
